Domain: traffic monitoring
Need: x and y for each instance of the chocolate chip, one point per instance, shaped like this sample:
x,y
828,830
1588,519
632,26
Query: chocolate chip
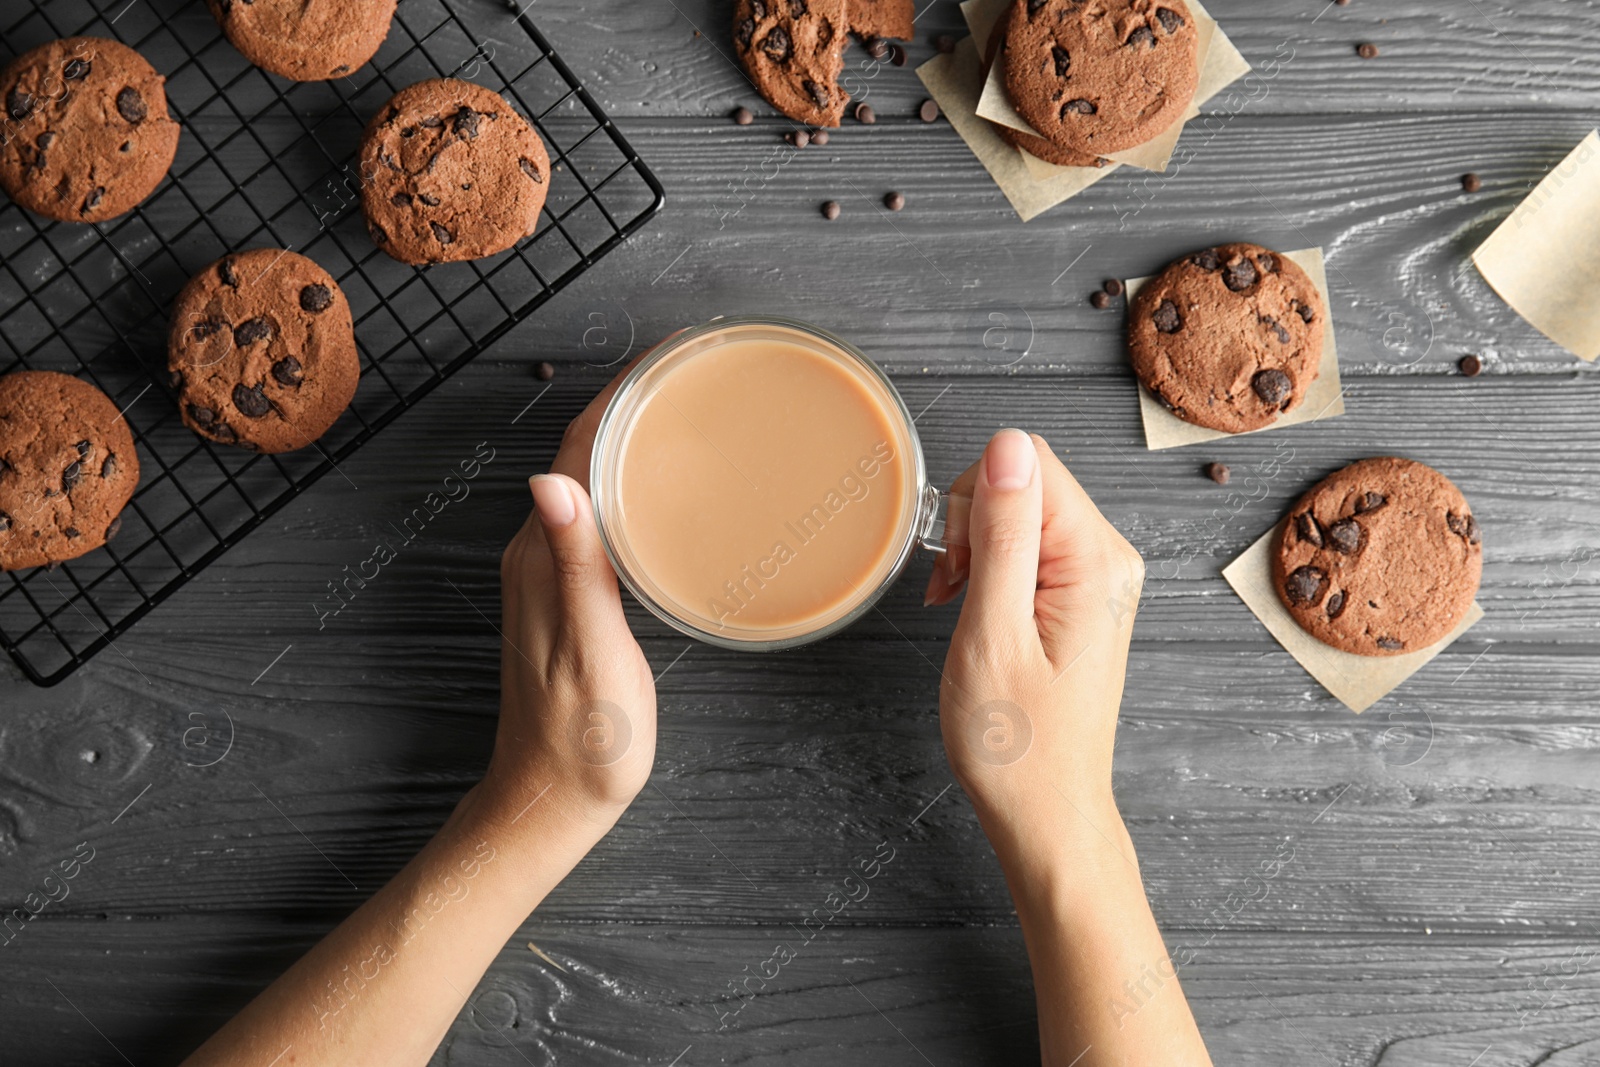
x,y
798,138
5,522
442,235
819,137
202,331
744,31
432,122
1474,534
544,371
897,55
1208,260
204,416
1367,50
1267,262
741,116
83,449
379,236
1335,605
108,469
1219,473
1170,20
1240,276
1078,107
316,297
20,105
865,115
1035,5
401,200
1306,312
1113,287
1370,502
894,201
533,172
929,111
797,8
71,476
73,533
1305,586
1272,386
130,105
114,529
1063,60
1308,528
251,402
777,45
818,94
63,187
175,380
287,371
1272,324
830,210
92,201
877,47
1344,536
1390,644
76,69
1144,35
226,273
1464,526
1471,183
1166,317
466,124
758,8
945,44
250,331
1471,366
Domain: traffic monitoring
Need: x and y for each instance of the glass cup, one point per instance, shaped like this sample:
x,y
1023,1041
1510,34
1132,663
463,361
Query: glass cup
x,y
639,515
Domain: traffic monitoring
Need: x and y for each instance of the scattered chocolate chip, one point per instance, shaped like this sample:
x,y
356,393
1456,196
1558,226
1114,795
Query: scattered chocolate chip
x,y
1471,183
1344,536
76,69
1166,317
1471,366
1113,287
1170,20
401,200
1144,35
1218,472
1309,529
1370,502
108,469
830,210
1272,386
530,170
777,45
928,111
251,402
897,55
798,138
250,331
1367,50
442,235
20,105
741,116
820,137
1390,644
71,476
865,115
544,371
1078,107
287,371
1207,260
877,47
1240,276
466,124
894,201
1100,299
944,43
316,297
1062,58
1306,586
114,529
92,201
130,105
1335,605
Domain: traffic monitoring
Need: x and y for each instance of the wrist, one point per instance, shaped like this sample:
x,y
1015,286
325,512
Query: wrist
x,y
1063,847
527,810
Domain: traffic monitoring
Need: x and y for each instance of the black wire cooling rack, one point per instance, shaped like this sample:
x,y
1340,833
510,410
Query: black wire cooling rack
x,y
265,162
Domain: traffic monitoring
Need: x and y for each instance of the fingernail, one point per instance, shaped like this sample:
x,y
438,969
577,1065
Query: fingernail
x,y
957,572
1010,460
554,500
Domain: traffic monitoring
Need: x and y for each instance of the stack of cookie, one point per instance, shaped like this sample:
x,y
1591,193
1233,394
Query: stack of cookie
x,y
793,50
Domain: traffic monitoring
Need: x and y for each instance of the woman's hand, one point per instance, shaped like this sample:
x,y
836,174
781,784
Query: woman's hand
x,y
577,703
1033,679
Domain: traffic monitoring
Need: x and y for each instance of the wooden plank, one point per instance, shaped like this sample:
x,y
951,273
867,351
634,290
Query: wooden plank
x,y
644,994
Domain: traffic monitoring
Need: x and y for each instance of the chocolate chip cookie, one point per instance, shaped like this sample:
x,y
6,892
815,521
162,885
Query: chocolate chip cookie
x,y
1044,149
1104,76
262,352
793,51
1229,338
305,40
67,468
451,172
87,135
1382,558
882,18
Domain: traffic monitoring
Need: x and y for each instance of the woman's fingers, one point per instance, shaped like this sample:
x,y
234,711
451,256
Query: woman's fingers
x,y
1004,531
585,584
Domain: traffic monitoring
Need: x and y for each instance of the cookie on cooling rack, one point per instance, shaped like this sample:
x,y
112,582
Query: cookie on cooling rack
x,y
87,134
450,172
67,468
262,351
305,40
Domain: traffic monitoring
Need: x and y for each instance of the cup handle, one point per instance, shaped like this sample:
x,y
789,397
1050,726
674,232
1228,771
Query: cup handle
x,y
933,524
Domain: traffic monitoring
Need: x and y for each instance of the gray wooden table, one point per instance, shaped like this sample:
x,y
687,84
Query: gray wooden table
x,y
1442,896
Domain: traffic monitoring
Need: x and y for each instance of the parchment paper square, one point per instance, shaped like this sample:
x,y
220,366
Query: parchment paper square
x,y
1324,400
1357,681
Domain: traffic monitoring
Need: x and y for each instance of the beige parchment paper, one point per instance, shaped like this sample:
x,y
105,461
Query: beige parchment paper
x,y
1324,400
1544,260
1357,681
